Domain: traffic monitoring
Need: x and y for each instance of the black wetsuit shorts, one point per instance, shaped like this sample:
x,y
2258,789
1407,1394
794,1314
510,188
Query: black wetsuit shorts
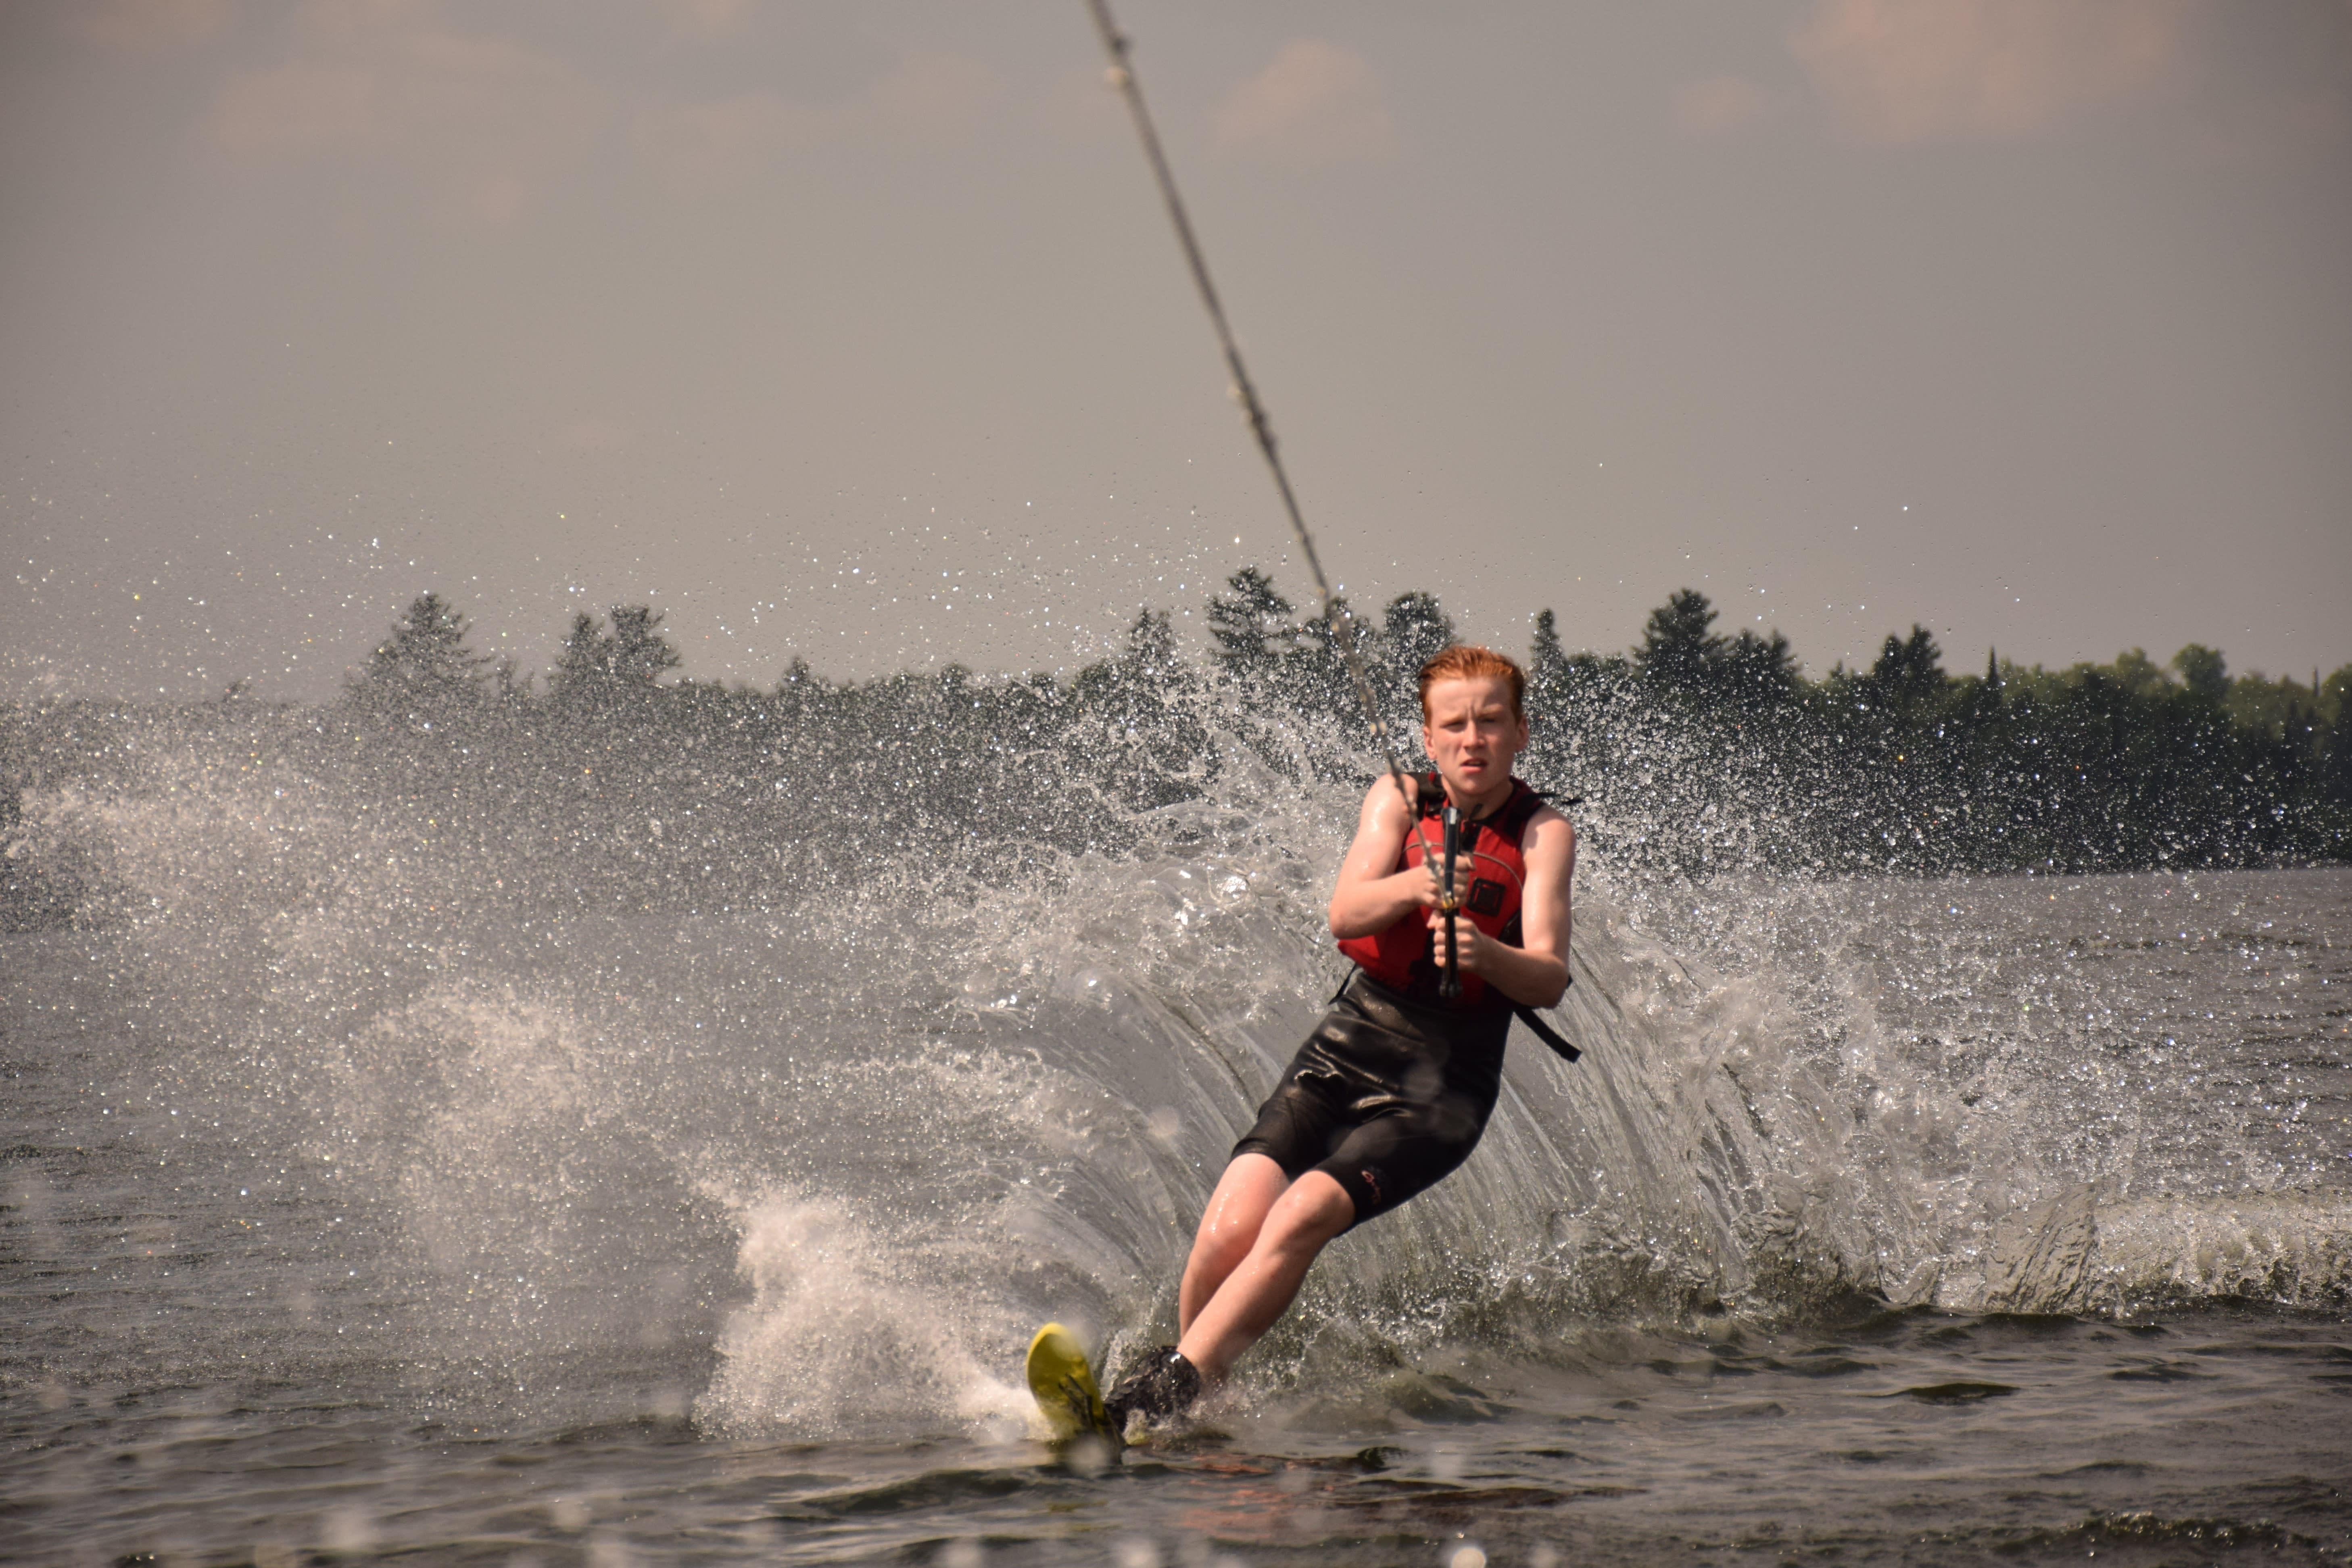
x,y
1386,1097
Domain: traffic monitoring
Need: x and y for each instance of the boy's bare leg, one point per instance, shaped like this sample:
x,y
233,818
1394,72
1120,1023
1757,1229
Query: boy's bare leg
x,y
1229,1228
1250,1293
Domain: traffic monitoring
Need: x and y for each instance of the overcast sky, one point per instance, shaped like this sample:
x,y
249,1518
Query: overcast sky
x,y
855,331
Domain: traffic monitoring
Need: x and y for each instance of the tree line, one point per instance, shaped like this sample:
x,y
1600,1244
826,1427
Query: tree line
x,y
1691,753
1698,749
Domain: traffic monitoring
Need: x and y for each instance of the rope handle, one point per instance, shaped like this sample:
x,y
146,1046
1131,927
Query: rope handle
x,y
1449,984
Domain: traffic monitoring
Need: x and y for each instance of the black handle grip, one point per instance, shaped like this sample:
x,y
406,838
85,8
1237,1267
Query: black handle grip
x,y
1450,984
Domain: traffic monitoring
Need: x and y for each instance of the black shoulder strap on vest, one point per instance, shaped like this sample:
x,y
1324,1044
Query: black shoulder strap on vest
x,y
1512,820
1509,820
1544,1031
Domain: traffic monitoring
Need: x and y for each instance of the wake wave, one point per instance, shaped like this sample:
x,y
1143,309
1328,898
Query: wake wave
x,y
851,1126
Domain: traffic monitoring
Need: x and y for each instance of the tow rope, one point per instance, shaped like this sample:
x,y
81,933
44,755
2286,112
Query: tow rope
x,y
1337,616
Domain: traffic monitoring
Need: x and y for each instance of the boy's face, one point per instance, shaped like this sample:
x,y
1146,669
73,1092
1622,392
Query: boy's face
x,y
1471,734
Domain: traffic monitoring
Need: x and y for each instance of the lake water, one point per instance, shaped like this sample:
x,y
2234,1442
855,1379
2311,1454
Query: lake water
x,y
361,1200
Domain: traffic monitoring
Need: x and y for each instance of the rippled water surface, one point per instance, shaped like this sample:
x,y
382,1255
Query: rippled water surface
x,y
363,1205
1919,1438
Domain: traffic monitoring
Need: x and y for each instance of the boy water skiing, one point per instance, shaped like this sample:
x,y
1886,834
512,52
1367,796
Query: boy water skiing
x,y
1392,1090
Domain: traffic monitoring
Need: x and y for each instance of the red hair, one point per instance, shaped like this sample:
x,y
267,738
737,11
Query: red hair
x,y
1467,661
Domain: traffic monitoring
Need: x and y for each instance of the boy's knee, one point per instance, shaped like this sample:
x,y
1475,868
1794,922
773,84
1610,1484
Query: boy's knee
x,y
1315,1209
1225,1245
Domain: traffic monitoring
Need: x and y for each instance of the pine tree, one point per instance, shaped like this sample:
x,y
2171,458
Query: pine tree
x,y
583,666
1315,672
1548,668
1909,669
1678,650
2204,671
1415,629
1759,671
641,655
597,669
1251,626
1151,644
424,672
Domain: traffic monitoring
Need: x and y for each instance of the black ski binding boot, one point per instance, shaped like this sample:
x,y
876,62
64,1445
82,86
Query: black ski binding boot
x,y
1160,1388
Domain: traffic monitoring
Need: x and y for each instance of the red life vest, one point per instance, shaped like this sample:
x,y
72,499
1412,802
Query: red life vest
x,y
1490,869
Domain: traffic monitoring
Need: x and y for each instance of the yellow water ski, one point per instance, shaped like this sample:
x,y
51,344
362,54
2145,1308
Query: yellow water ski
x,y
1065,1387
